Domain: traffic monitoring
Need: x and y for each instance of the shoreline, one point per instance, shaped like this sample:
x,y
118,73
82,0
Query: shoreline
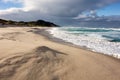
x,y
44,32
96,41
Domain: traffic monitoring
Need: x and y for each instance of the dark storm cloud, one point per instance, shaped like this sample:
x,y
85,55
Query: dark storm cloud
x,y
61,11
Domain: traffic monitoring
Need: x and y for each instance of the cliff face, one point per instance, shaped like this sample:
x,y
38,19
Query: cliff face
x,y
29,24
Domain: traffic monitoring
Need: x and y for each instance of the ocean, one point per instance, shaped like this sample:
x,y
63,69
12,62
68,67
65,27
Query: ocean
x,y
101,40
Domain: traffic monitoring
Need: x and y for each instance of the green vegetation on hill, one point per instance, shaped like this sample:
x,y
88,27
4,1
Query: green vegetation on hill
x,y
29,24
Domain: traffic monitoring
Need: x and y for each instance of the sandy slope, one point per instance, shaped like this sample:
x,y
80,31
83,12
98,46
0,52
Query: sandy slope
x,y
25,55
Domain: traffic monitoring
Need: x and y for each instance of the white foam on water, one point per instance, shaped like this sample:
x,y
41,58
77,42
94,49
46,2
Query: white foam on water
x,y
93,41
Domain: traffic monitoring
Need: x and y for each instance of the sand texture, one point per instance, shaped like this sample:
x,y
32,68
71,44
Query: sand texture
x,y
28,55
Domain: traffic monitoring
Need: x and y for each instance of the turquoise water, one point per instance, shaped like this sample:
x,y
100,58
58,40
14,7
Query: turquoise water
x,y
113,35
102,40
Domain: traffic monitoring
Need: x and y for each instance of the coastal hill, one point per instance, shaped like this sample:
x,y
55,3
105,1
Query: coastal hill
x,y
28,24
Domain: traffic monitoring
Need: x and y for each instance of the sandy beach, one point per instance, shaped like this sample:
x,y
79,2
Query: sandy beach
x,y
28,55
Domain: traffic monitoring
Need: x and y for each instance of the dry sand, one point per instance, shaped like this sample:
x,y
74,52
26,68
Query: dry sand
x,y
25,55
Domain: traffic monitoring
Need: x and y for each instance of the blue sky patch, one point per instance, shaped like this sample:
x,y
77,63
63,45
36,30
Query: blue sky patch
x,y
6,5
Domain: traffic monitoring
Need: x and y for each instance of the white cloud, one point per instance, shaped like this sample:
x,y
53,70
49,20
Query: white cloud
x,y
52,9
81,16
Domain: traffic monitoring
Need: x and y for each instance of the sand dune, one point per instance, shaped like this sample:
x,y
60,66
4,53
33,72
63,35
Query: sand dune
x,y
26,55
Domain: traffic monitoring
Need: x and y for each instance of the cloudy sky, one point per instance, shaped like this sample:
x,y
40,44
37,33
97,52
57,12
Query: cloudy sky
x,y
60,11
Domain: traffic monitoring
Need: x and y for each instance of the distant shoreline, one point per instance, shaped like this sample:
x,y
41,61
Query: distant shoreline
x,y
7,23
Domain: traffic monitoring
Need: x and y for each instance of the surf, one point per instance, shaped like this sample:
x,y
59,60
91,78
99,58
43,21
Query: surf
x,y
101,40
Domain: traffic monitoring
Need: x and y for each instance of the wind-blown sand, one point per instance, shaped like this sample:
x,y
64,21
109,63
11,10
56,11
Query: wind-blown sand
x,y
26,55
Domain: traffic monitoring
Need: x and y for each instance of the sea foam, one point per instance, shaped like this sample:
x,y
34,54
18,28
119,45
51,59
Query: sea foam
x,y
92,38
